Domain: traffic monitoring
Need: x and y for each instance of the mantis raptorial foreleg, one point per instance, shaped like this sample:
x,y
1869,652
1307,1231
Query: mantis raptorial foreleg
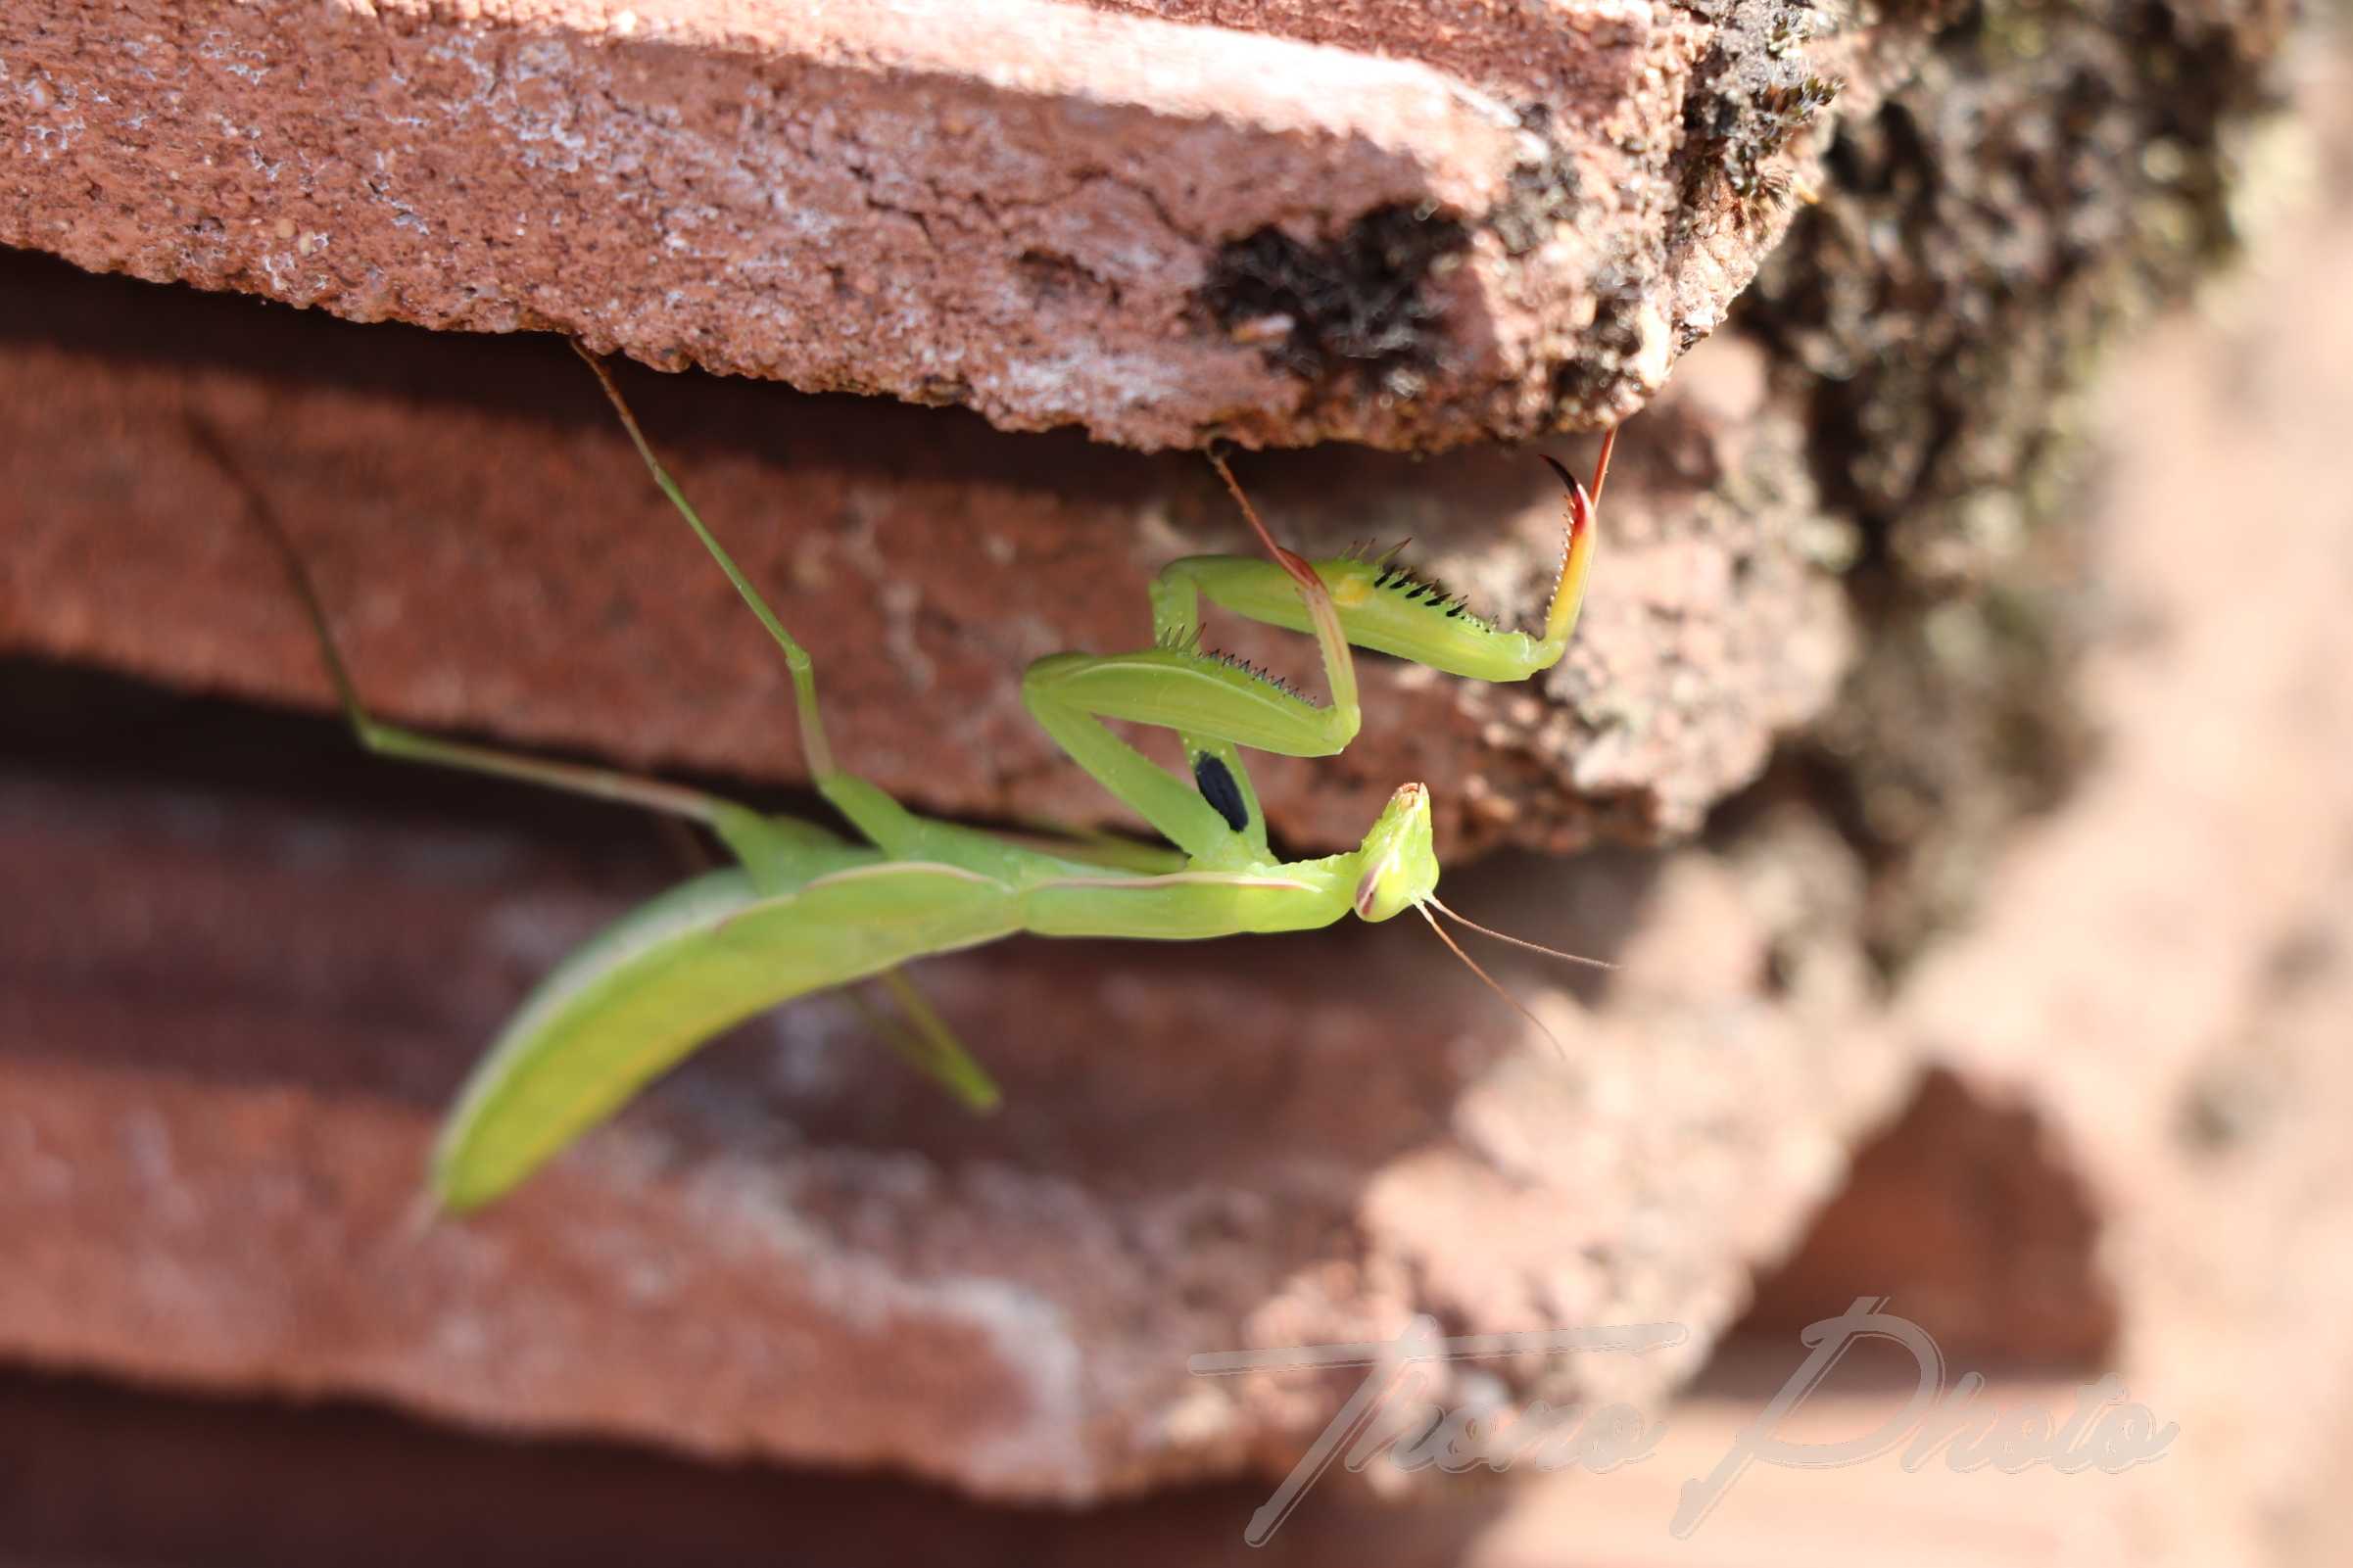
x,y
1213,704
1384,607
1217,707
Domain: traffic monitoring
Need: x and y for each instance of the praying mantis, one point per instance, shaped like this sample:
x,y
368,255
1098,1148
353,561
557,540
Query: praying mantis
x,y
805,909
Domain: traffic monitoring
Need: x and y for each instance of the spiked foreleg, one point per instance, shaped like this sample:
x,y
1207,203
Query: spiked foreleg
x,y
1381,605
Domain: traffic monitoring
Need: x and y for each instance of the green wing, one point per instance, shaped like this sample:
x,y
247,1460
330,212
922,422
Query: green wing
x,y
662,979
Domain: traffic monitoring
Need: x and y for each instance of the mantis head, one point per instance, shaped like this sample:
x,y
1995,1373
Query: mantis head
x,y
1401,872
1401,865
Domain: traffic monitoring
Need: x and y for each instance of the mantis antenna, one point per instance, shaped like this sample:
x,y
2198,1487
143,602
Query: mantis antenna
x,y
1517,1006
1517,941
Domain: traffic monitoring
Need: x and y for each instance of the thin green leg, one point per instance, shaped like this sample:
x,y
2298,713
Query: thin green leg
x,y
921,1035
409,745
887,825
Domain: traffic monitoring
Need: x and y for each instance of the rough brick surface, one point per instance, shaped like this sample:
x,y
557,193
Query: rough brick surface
x,y
1412,229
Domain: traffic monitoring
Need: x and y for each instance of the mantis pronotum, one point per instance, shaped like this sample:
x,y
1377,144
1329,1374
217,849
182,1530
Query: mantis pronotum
x,y
805,909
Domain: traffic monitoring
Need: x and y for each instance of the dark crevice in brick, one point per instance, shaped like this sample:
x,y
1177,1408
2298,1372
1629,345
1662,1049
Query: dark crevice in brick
x,y
1348,308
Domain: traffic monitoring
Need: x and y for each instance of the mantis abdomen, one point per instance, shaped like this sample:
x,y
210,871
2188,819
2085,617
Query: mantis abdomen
x,y
671,974
707,955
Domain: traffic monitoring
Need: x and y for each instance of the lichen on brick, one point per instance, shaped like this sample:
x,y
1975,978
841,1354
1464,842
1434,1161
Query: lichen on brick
x,y
1750,100
2049,178
1544,189
1349,309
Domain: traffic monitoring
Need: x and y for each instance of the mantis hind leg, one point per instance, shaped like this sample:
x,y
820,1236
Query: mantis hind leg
x,y
412,745
1342,604
921,1035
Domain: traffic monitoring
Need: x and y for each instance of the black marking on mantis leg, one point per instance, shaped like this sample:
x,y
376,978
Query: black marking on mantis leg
x,y
1219,791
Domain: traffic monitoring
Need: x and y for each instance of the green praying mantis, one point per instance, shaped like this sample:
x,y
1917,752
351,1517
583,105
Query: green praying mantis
x,y
805,909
